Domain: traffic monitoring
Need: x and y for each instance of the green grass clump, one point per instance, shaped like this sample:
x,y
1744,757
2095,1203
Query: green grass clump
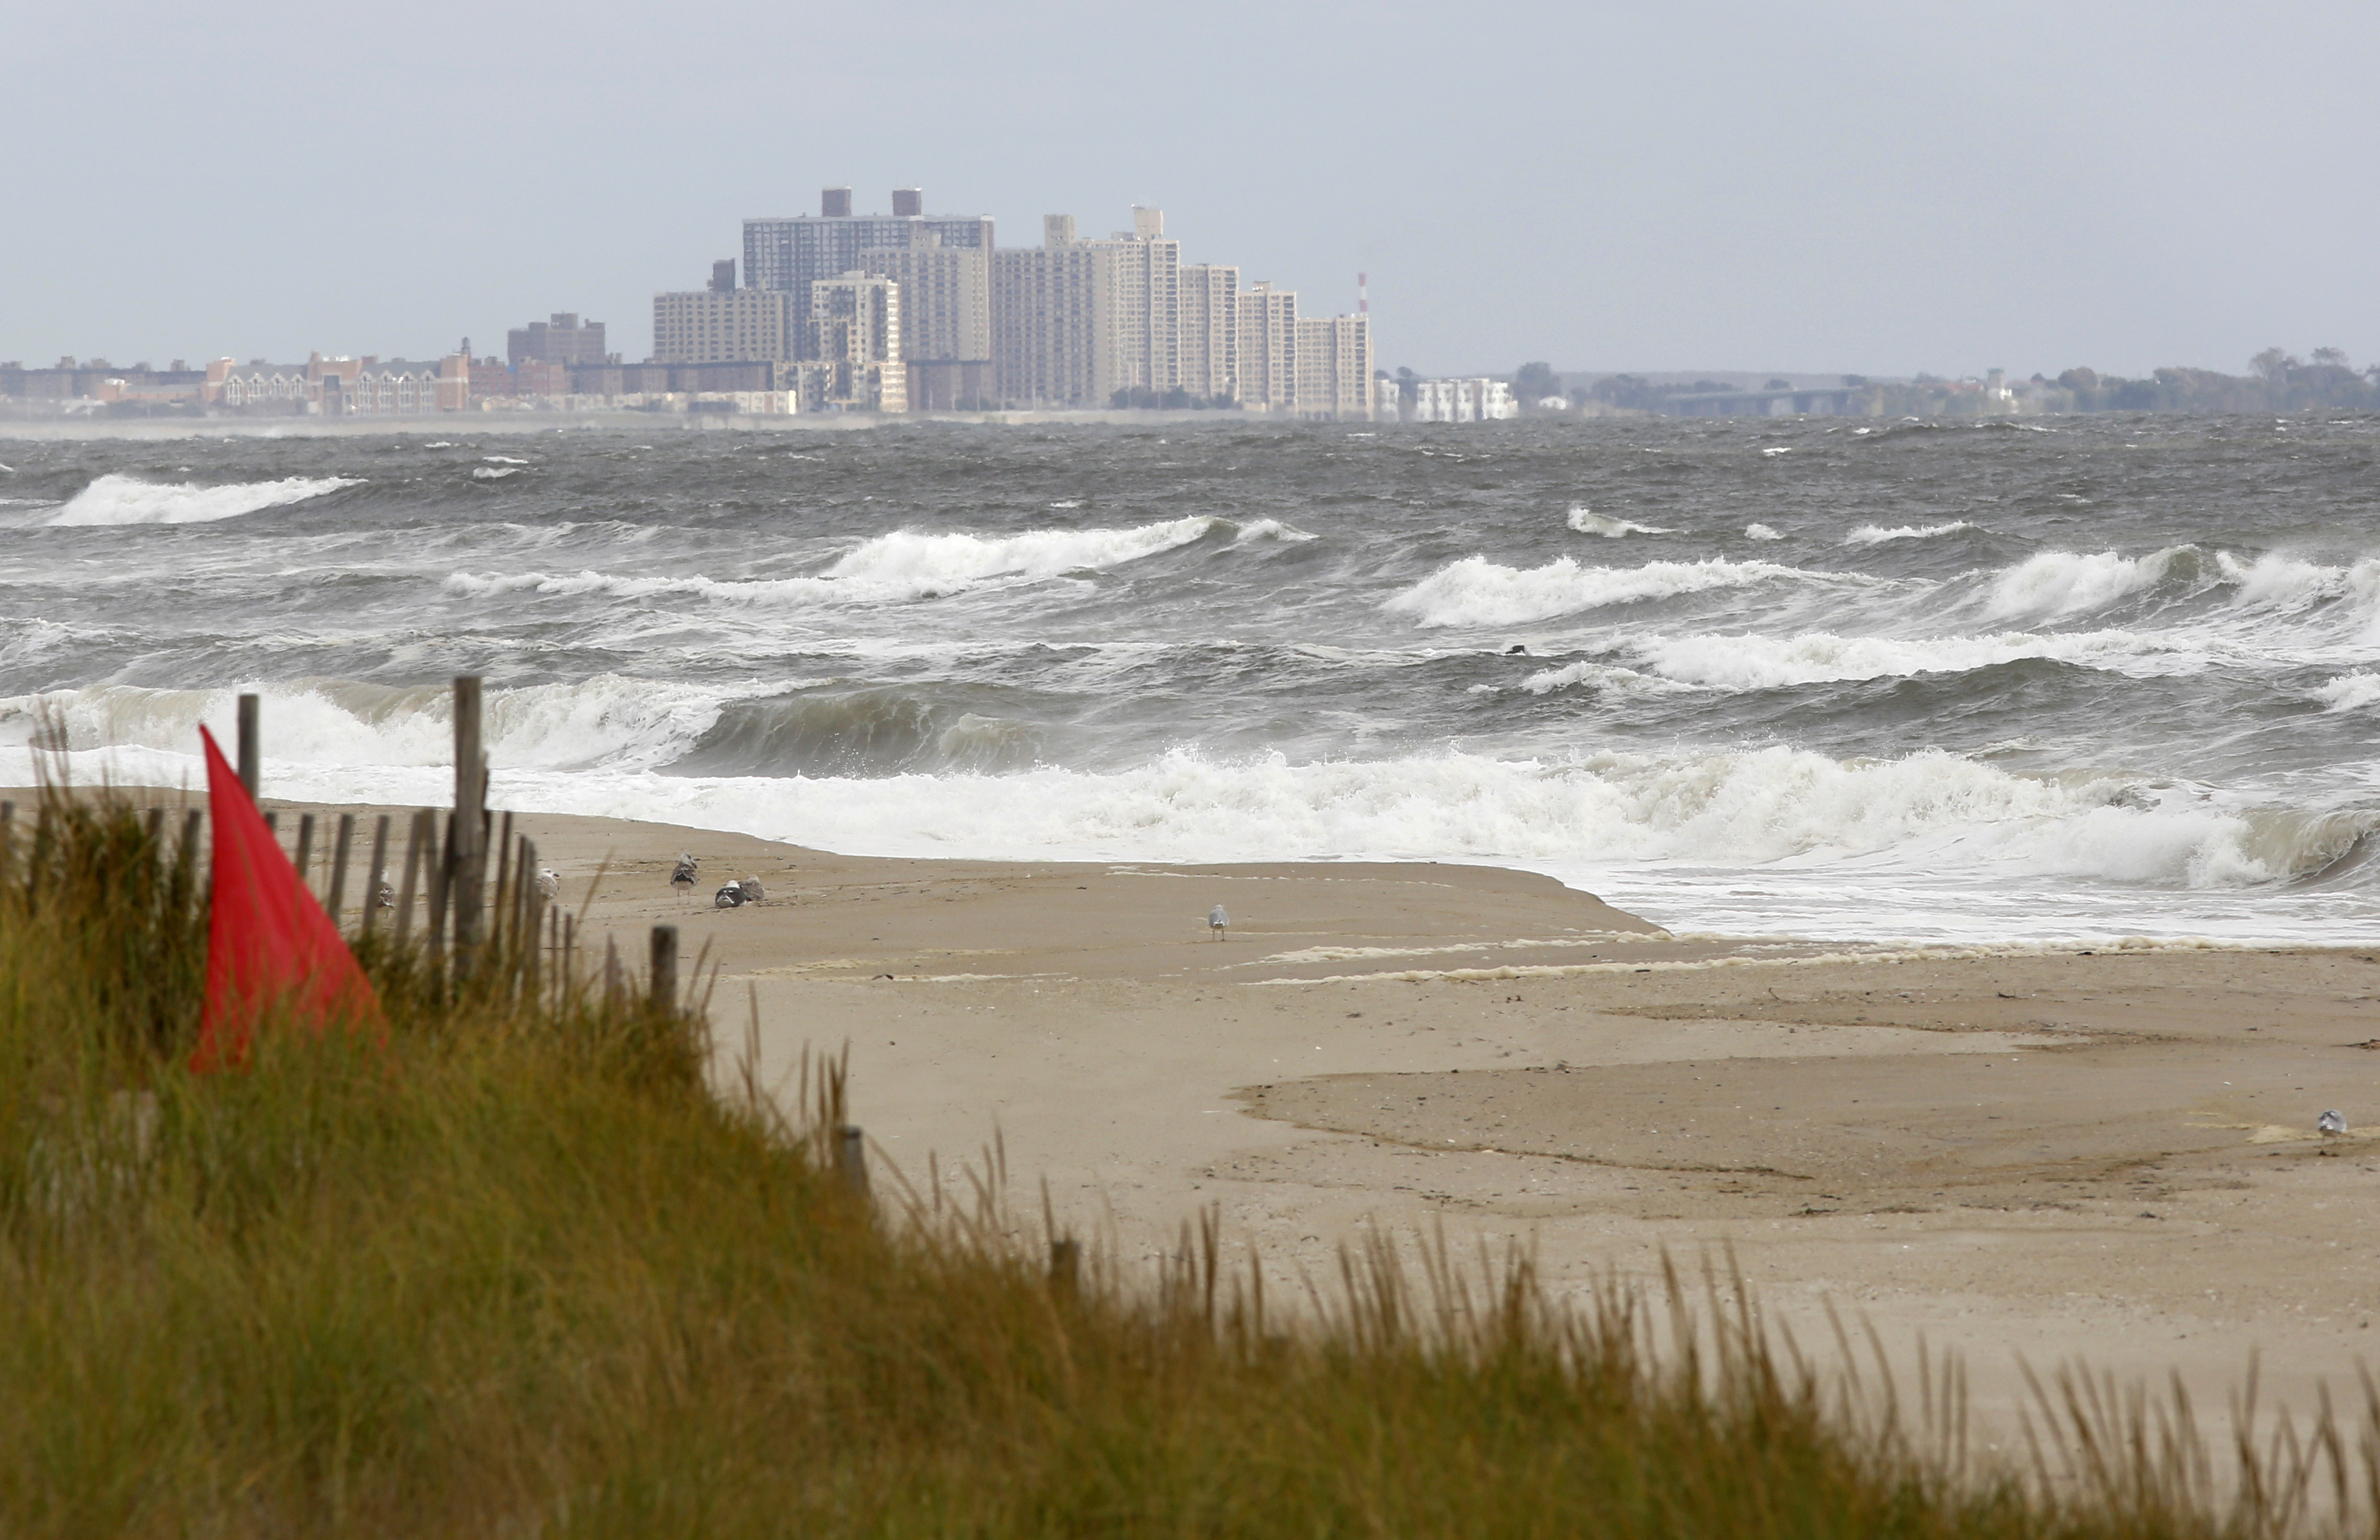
x,y
524,1270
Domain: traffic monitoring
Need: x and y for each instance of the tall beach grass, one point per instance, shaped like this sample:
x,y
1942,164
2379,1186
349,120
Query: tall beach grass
x,y
533,1266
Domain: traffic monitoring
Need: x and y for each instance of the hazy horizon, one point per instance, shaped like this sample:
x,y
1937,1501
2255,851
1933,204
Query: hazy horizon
x,y
1860,189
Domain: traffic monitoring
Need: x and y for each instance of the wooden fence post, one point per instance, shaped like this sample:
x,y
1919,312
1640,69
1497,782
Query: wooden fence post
x,y
186,858
252,754
851,1158
438,870
340,849
664,971
416,837
1066,1268
468,842
379,874
526,903
305,861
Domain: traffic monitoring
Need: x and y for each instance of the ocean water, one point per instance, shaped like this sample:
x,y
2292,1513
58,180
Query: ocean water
x,y
2089,677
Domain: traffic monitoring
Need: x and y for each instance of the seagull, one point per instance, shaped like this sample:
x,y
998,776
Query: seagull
x,y
1218,921
386,897
728,897
752,890
683,877
2330,1123
549,884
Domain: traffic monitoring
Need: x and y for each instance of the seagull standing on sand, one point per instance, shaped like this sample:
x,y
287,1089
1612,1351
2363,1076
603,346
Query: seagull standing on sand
x,y
752,890
683,877
1218,921
2331,1123
549,884
386,897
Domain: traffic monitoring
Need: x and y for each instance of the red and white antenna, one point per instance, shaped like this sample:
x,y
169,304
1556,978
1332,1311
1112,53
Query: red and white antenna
x,y
1363,295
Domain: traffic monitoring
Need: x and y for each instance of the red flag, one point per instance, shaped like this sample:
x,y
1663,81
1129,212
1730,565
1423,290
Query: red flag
x,y
268,944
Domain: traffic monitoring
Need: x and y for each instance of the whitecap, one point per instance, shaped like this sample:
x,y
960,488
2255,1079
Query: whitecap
x,y
1587,522
2350,692
2062,582
1871,534
901,566
116,499
503,460
1761,532
493,473
1477,591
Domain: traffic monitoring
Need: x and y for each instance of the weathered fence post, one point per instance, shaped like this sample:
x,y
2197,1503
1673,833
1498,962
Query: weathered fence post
x,y
526,903
851,1158
252,754
186,858
468,842
1065,1268
416,837
340,849
305,850
379,874
438,871
664,970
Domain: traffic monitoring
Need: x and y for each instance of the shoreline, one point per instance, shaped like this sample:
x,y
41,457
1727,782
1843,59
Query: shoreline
x,y
2104,1156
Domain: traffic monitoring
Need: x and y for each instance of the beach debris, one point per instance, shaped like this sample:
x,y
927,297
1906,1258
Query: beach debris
x,y
549,884
683,877
2331,1123
729,897
753,891
1218,922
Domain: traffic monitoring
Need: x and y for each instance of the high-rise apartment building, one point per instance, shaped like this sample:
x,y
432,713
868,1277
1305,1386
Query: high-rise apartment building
x,y
1268,350
1210,332
854,330
789,254
1141,276
710,326
1090,323
945,320
561,339
1334,369
1046,315
945,298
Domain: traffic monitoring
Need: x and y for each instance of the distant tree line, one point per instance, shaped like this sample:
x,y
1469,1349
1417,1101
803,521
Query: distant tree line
x,y
2277,382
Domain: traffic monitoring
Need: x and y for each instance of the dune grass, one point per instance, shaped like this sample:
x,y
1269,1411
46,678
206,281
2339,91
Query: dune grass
x,y
528,1269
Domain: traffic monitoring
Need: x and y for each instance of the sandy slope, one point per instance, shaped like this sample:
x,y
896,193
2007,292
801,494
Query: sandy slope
x,y
2057,1155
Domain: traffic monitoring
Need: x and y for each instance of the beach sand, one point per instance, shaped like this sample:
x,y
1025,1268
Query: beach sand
x,y
2056,1156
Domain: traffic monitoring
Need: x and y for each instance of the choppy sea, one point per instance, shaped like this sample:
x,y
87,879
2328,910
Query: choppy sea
x,y
2081,678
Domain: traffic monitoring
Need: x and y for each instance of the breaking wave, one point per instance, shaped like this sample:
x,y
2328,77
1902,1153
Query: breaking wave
x,y
907,565
609,721
116,499
1588,522
1477,591
1873,533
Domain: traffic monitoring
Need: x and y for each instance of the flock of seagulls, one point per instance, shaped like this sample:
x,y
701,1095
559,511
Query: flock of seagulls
x,y
735,895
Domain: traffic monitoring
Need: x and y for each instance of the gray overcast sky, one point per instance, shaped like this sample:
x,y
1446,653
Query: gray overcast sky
x,y
1883,188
